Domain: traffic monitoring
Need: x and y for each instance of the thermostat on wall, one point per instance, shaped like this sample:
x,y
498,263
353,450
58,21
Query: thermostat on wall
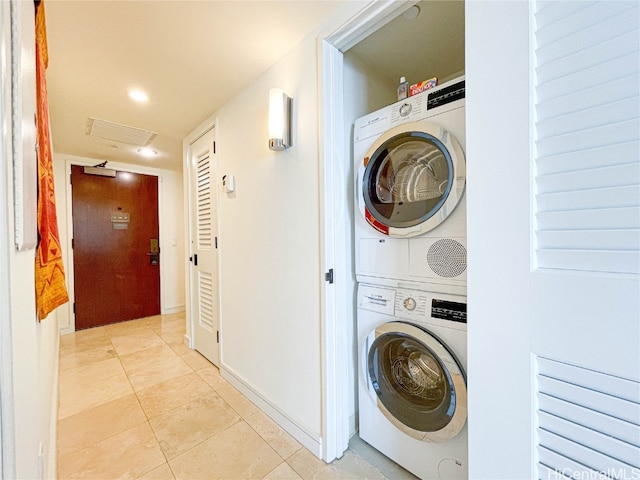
x,y
228,183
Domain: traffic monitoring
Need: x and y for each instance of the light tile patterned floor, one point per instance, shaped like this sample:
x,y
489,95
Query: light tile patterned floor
x,y
135,402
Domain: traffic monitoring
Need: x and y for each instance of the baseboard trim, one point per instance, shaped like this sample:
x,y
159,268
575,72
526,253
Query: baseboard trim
x,y
309,440
353,426
170,310
52,464
67,330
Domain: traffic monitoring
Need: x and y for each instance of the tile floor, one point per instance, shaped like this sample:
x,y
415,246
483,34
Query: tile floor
x,y
135,402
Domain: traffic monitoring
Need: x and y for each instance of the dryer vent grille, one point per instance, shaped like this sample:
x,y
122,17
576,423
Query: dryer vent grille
x,y
447,258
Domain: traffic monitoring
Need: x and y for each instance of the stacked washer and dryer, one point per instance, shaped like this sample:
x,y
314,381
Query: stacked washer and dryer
x,y
410,234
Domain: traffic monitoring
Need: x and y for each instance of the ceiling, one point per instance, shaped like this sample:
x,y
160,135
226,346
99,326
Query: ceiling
x,y
429,45
189,56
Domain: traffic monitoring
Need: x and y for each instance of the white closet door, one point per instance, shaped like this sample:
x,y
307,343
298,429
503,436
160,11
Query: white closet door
x,y
586,328
204,249
554,271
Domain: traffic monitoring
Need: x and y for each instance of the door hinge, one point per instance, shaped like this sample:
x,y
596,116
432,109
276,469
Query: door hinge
x,y
218,336
72,244
214,147
74,308
216,240
328,277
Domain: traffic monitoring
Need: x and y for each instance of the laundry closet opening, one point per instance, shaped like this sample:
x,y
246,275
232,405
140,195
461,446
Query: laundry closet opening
x,y
408,210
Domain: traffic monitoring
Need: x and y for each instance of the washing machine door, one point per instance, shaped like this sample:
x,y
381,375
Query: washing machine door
x,y
417,381
412,177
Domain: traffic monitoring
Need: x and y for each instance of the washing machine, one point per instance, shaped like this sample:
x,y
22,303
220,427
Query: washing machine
x,y
410,177
412,393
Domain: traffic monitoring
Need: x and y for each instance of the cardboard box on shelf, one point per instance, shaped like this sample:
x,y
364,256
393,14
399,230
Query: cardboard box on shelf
x,y
422,86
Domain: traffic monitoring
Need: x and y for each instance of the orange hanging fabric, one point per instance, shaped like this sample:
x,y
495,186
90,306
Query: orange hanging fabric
x,y
51,291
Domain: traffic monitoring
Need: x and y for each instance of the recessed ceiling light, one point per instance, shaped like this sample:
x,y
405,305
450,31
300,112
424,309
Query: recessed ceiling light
x,y
147,152
138,96
412,13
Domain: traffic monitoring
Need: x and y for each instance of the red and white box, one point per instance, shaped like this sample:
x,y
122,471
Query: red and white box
x,y
422,86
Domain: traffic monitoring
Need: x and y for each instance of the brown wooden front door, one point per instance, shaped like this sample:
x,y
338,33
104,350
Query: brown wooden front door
x,y
115,230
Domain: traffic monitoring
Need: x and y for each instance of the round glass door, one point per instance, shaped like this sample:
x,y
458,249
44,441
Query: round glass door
x,y
413,177
417,381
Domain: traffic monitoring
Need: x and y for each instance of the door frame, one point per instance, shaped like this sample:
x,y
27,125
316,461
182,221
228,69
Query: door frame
x,y
337,300
209,124
190,284
7,427
70,274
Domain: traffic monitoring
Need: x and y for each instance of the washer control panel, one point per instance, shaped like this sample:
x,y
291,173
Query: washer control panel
x,y
447,310
412,305
376,299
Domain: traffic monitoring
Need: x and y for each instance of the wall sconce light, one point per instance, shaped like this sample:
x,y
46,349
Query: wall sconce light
x,y
279,120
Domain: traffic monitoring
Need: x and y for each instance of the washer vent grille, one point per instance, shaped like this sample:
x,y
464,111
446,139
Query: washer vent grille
x,y
447,258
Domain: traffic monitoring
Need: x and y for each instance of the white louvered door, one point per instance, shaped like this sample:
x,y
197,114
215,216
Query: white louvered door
x,y
204,253
586,237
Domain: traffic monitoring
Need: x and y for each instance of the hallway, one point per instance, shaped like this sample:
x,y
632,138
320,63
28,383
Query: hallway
x,y
135,402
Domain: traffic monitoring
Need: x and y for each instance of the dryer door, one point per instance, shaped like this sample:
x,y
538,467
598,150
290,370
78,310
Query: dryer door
x,y
413,177
419,384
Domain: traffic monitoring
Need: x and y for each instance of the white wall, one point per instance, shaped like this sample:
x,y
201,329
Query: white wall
x,y
269,244
269,247
172,236
35,370
364,91
269,237
29,349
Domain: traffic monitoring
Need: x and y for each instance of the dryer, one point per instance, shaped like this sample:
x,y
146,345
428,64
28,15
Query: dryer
x,y
410,177
411,379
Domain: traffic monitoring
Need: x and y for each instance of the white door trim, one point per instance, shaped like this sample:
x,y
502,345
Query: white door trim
x,y
199,335
332,253
210,124
7,438
338,300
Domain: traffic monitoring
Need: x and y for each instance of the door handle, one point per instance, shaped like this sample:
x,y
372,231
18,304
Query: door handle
x,y
154,254
154,258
